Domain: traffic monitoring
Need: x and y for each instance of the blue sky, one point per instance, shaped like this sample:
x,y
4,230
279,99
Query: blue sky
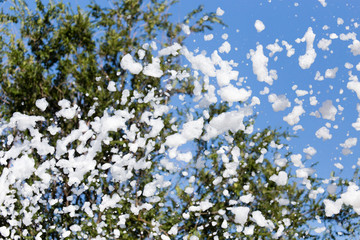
x,y
289,20
325,81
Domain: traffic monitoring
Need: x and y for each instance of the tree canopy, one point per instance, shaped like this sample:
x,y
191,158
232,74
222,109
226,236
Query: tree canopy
x,y
108,133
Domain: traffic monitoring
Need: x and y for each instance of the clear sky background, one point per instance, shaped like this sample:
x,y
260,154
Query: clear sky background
x,y
288,20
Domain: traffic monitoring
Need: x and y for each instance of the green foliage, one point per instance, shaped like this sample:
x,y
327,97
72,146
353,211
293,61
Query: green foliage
x,y
61,53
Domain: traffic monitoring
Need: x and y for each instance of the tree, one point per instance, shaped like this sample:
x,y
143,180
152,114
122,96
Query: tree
x,y
94,143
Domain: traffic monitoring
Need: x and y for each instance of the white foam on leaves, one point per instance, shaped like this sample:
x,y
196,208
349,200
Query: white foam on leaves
x,y
42,104
241,214
324,44
219,11
171,50
153,69
233,94
260,63
355,47
259,25
323,133
294,117
306,60
279,102
280,179
323,3
328,110
128,63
